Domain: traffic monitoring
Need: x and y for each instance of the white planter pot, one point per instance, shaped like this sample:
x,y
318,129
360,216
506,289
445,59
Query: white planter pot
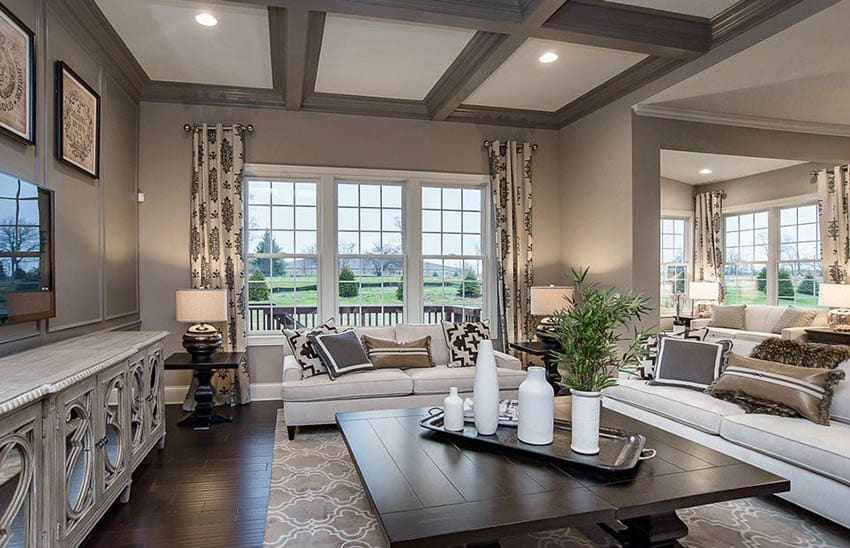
x,y
485,391
536,409
585,421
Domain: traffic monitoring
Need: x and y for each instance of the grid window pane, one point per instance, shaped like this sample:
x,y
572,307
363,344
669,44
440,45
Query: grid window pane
x,y
452,259
746,253
798,272
370,290
674,265
282,255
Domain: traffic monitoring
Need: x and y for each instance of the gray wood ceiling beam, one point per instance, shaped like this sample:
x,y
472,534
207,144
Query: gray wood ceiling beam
x,y
302,39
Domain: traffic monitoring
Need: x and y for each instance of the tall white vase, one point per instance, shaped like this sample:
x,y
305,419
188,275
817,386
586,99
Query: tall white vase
x,y
536,409
485,391
585,421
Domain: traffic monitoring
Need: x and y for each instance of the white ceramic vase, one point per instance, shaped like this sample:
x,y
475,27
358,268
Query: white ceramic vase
x,y
585,421
453,411
536,409
485,391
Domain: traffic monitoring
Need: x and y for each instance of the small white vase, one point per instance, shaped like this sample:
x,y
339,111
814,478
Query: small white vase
x,y
453,411
585,421
536,409
485,391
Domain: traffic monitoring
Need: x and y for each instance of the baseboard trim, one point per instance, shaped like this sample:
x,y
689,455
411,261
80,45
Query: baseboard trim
x,y
261,391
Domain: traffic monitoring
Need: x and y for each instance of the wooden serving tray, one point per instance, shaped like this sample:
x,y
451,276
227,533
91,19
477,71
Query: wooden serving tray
x,y
618,450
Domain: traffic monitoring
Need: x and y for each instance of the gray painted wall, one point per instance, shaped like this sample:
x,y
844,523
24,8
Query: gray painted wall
x,y
787,182
96,251
314,139
676,195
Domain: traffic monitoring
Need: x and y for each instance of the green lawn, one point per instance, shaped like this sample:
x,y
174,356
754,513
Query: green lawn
x,y
738,296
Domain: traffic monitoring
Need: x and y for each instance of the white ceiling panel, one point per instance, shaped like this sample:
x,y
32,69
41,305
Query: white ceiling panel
x,y
170,45
524,82
698,8
686,166
377,58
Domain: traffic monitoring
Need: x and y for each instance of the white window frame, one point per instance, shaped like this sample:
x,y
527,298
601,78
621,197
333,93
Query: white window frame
x,y
411,181
772,207
688,218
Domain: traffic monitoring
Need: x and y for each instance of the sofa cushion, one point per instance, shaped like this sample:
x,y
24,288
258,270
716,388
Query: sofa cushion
x,y
730,316
682,405
382,332
762,317
840,410
368,384
822,449
794,317
438,380
439,348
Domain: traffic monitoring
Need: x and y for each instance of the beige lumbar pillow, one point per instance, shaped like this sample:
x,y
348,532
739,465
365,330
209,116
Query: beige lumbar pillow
x,y
730,316
794,317
387,353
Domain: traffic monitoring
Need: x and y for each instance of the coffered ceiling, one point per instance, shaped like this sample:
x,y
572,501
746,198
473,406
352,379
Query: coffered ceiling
x,y
465,60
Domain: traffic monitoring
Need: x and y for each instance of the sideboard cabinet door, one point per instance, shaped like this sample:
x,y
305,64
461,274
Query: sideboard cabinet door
x,y
113,431
155,393
137,382
20,478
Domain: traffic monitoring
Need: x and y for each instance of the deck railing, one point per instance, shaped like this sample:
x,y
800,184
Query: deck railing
x,y
268,318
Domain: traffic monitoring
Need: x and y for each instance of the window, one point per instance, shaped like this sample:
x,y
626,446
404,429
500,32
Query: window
x,y
799,273
747,254
371,254
365,247
282,254
674,262
453,282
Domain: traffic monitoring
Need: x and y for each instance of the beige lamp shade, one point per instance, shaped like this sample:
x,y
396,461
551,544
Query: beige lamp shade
x,y
834,295
201,305
703,291
548,299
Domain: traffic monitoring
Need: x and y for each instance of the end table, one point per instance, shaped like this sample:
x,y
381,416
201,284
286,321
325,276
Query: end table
x,y
542,350
825,335
204,415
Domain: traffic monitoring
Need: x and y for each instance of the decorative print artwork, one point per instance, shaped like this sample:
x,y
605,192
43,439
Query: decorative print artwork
x,y
77,121
17,78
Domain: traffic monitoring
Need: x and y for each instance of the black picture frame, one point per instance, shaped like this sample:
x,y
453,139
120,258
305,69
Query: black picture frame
x,y
27,138
61,70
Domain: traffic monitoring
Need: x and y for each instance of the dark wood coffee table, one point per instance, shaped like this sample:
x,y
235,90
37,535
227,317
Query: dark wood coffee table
x,y
429,491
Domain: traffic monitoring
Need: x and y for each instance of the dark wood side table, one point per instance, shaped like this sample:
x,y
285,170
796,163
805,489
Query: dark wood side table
x,y
542,350
824,335
204,415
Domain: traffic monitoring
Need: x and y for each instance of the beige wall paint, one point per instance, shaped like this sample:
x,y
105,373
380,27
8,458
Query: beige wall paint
x,y
312,139
789,182
676,195
95,220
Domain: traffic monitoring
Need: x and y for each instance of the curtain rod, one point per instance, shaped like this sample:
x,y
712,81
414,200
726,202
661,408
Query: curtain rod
x,y
488,142
190,127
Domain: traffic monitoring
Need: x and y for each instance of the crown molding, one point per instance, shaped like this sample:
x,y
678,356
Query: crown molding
x,y
367,106
740,120
207,94
498,116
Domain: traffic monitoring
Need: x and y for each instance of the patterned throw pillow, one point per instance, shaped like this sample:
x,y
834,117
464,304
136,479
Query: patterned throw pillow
x,y
826,356
463,339
794,317
730,316
304,351
779,388
387,353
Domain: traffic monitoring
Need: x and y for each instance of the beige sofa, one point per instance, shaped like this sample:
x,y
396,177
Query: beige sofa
x,y
759,320
317,400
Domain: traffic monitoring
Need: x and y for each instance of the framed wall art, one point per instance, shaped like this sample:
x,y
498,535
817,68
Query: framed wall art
x,y
17,78
77,122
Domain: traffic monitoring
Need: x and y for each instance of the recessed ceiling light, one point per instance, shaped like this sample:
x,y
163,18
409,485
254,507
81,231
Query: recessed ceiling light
x,y
548,57
206,20
705,171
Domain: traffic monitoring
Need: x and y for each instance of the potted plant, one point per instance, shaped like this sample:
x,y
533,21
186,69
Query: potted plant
x,y
598,337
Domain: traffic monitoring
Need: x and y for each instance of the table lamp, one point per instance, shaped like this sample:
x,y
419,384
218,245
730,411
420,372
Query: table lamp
x,y
545,301
201,307
705,292
837,298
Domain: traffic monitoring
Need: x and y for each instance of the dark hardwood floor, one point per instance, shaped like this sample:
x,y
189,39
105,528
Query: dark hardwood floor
x,y
205,489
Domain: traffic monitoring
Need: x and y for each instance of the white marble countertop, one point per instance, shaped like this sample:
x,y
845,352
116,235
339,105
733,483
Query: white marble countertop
x,y
28,376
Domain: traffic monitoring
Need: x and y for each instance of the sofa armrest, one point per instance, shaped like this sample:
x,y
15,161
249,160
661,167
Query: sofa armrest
x,y
291,369
699,323
794,334
506,361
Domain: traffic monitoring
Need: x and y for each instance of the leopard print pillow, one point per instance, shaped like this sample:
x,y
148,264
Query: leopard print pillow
x,y
824,356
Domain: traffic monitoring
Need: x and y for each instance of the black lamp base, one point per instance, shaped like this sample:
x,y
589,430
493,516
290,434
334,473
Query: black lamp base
x,y
202,341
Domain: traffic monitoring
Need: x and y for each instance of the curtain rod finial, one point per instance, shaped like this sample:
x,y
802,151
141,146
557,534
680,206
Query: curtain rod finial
x,y
187,127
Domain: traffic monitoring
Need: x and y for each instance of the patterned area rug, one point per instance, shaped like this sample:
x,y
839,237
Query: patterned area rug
x,y
316,500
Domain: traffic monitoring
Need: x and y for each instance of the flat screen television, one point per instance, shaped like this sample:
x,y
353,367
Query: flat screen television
x,y
26,251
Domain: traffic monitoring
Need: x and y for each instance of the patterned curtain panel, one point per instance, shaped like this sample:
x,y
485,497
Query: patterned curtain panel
x,y
833,206
216,242
510,186
708,227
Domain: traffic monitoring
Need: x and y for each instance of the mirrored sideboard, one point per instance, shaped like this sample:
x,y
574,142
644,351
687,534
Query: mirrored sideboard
x,y
76,418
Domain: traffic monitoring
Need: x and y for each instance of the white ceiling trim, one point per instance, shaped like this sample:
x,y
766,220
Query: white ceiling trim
x,y
740,120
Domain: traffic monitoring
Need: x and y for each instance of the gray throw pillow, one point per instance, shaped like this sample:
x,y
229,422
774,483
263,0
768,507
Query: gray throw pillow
x,y
687,363
730,316
794,317
341,353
